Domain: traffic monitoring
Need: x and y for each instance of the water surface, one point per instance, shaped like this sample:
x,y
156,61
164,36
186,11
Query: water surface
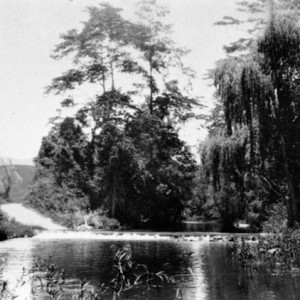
x,y
209,273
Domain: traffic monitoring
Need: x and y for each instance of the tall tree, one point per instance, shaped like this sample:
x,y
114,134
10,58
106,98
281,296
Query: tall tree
x,y
162,57
98,50
259,91
254,14
131,157
280,46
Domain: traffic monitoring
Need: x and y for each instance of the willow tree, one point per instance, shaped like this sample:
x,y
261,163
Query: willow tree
x,y
280,47
224,164
254,14
260,91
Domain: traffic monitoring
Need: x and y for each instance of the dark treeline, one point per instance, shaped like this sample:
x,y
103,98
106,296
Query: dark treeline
x,y
115,155
124,155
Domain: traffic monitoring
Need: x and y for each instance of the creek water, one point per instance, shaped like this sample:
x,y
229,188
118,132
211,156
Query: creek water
x,y
209,273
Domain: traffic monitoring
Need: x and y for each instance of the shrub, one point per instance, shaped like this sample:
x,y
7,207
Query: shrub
x,y
58,202
103,222
276,219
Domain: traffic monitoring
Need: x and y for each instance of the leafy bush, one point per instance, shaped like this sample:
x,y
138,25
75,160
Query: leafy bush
x,y
49,198
61,203
277,219
103,222
69,220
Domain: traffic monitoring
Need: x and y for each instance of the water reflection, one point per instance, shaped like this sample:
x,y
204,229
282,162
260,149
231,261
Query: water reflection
x,y
15,256
202,270
195,286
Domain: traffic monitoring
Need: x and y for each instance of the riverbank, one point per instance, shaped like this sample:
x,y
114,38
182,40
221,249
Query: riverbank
x,y
20,221
205,237
10,228
29,217
17,221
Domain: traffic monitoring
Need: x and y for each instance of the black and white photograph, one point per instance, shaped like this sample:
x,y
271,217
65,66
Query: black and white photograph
x,y
149,149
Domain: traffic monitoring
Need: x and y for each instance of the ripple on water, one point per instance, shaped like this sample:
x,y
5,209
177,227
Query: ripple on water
x,y
202,270
16,255
89,235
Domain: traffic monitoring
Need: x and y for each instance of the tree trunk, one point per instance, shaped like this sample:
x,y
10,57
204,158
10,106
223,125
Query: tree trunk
x,y
151,83
114,196
293,203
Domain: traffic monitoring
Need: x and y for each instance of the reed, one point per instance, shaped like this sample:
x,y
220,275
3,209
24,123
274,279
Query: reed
x,y
48,281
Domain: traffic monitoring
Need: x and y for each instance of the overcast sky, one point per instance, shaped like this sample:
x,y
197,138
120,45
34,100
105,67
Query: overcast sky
x,y
29,29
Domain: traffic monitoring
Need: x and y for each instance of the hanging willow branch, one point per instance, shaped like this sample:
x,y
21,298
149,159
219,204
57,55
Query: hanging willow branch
x,y
259,93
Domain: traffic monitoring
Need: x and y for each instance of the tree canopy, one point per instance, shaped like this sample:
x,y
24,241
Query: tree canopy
x,y
255,152
115,153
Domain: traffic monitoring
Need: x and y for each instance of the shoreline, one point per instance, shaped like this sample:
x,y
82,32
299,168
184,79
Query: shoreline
x,y
145,235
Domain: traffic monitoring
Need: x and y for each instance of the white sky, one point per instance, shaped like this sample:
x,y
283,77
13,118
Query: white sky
x,y
29,29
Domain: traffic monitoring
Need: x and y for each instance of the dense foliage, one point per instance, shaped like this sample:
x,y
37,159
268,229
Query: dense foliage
x,y
121,151
121,154
251,158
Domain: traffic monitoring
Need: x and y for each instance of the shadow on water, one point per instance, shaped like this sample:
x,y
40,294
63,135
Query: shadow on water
x,y
208,273
203,270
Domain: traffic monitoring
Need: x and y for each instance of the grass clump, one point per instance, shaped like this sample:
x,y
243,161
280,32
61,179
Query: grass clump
x,y
277,250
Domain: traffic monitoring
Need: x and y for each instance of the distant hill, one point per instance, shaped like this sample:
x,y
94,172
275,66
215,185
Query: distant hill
x,y
16,161
22,177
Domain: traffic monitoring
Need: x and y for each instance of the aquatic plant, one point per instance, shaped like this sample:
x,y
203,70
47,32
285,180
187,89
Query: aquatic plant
x,y
245,253
275,253
46,276
48,281
8,293
128,275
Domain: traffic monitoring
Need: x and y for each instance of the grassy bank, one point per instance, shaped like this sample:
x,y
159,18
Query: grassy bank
x,y
9,228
